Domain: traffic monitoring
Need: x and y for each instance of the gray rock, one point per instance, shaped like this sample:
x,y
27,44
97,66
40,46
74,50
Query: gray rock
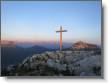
x,y
87,74
50,63
10,67
79,62
25,60
60,67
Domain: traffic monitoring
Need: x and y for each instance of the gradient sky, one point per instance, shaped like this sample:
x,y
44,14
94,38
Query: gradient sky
x,y
38,21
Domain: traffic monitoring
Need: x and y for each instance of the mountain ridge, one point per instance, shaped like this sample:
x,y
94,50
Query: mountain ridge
x,y
15,54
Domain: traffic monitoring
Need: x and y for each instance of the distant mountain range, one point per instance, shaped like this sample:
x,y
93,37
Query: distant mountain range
x,y
13,54
5,43
29,44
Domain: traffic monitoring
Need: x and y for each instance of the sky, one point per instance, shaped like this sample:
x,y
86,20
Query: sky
x,y
38,21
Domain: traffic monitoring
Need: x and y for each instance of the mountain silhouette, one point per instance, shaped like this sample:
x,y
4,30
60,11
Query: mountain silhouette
x,y
15,54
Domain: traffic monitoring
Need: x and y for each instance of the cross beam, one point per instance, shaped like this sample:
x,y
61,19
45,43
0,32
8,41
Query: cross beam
x,y
60,31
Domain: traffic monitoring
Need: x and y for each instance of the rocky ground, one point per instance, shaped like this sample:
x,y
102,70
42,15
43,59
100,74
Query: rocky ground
x,y
58,63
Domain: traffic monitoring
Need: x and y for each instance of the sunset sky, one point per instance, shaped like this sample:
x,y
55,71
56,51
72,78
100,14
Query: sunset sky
x,y
38,21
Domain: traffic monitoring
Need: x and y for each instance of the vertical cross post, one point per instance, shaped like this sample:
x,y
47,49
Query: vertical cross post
x,y
60,31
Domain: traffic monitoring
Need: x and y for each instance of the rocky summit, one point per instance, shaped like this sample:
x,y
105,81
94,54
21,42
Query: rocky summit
x,y
58,63
82,45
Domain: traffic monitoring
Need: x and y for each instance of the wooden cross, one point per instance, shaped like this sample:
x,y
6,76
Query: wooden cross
x,y
61,36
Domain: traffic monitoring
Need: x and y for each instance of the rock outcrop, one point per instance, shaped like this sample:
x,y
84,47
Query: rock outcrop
x,y
82,45
58,63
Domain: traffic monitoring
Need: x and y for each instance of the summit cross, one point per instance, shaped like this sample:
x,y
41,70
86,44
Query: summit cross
x,y
60,31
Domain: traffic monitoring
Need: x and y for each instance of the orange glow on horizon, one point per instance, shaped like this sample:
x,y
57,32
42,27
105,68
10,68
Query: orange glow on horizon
x,y
29,41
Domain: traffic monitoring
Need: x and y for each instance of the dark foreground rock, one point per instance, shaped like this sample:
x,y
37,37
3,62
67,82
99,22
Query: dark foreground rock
x,y
59,63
